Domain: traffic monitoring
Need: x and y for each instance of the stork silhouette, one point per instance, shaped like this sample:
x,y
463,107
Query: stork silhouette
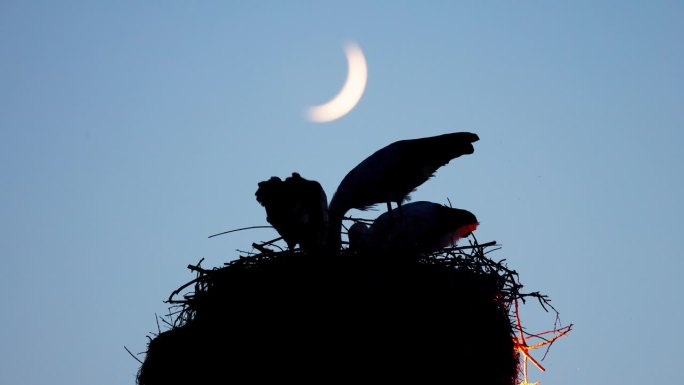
x,y
423,227
392,173
297,208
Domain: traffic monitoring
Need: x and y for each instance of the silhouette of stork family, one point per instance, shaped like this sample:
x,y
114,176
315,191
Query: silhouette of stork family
x,y
298,208
349,316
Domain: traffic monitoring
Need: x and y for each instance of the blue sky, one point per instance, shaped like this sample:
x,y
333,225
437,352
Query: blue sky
x,y
131,131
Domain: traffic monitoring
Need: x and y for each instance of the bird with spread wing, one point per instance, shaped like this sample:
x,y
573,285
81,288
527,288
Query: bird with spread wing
x,y
392,173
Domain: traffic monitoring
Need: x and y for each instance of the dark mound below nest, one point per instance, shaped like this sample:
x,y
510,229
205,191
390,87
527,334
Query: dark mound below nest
x,y
296,317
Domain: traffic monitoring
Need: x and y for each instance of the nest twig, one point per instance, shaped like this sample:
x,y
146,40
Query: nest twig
x,y
472,258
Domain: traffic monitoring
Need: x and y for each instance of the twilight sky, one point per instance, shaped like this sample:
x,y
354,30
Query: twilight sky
x,y
131,131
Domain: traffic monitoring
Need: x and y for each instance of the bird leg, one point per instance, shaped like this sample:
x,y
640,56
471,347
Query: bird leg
x,y
390,212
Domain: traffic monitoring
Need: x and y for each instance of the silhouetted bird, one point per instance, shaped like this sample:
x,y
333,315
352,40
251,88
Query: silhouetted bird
x,y
392,172
422,227
297,208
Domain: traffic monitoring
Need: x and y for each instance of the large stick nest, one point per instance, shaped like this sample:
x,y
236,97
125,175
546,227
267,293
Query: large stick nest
x,y
291,315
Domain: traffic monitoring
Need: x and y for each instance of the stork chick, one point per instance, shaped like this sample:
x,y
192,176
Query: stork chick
x,y
297,208
423,227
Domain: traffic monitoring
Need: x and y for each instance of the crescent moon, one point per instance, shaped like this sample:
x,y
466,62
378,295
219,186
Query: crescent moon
x,y
351,92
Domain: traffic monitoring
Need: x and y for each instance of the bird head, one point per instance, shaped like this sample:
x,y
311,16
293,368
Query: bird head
x,y
268,190
465,230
